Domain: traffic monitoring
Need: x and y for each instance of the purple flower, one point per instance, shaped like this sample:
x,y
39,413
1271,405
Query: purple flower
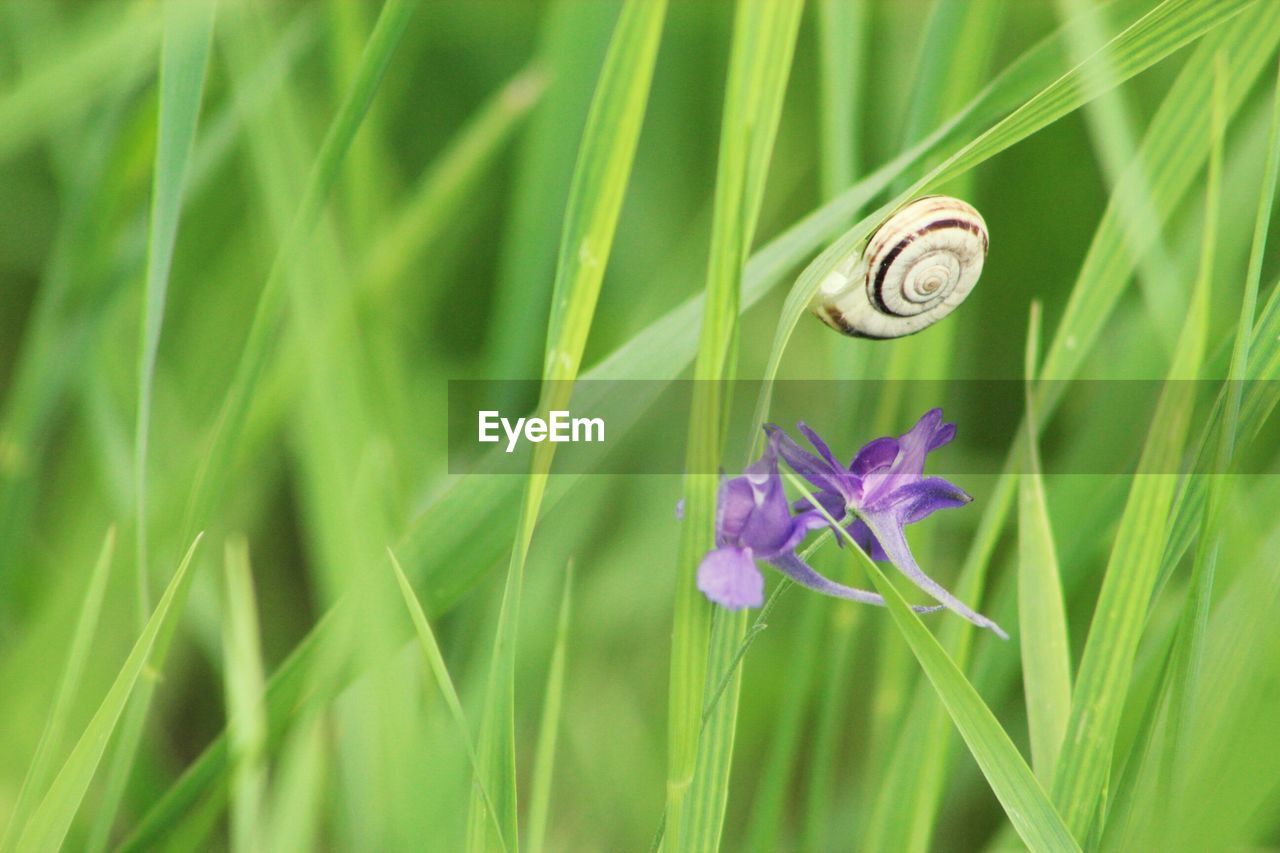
x,y
884,489
754,522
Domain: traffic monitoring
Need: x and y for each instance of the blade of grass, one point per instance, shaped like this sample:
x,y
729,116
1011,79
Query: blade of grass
x,y
1130,578
444,681
298,789
1114,138
1042,620
841,29
217,461
1011,780
571,45
1177,138
55,725
698,767
445,184
184,60
549,729
1185,665
605,157
246,723
47,828
1163,30
444,555
114,50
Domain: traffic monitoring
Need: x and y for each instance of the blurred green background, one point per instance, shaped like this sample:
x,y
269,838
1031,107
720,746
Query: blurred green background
x,y
434,260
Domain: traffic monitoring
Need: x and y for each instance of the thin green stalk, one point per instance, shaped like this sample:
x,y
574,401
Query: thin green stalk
x,y
1131,574
1188,649
698,766
1042,619
1011,780
549,728
601,175
54,731
49,823
246,720
440,672
184,60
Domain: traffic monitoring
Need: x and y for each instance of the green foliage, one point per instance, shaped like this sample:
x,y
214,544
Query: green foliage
x,y
243,254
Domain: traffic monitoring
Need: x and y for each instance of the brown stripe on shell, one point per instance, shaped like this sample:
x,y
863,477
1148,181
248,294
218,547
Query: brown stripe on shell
x,y
882,268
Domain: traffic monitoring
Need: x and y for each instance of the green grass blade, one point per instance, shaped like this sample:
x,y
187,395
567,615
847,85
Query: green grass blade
x,y
458,538
605,157
298,788
698,768
1160,32
55,725
246,720
1131,576
1177,138
446,183
1042,620
549,729
444,681
184,60
1188,651
217,461
842,30
117,54
48,825
572,40
1028,807
1115,139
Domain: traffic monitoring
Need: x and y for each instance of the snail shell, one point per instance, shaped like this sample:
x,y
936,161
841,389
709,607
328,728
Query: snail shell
x,y
916,268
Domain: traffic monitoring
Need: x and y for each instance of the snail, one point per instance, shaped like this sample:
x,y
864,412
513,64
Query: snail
x,y
916,268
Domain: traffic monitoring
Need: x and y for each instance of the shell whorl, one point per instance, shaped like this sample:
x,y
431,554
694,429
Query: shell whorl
x,y
916,268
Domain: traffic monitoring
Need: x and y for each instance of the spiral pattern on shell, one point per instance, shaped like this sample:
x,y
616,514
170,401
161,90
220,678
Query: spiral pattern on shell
x,y
916,268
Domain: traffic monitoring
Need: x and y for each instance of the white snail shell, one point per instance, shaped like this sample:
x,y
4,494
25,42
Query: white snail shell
x,y
916,268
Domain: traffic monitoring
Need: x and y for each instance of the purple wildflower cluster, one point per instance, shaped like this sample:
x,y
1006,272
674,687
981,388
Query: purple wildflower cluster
x,y
874,497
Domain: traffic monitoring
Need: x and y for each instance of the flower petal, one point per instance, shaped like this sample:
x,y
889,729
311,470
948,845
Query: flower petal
x,y
734,506
819,472
920,499
804,574
729,577
913,446
867,541
874,455
818,444
889,533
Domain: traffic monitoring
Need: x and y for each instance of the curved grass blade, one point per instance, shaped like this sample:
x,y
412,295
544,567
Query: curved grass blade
x,y
77,656
48,825
1015,786
217,461
1178,139
1042,619
184,60
605,157
1163,30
